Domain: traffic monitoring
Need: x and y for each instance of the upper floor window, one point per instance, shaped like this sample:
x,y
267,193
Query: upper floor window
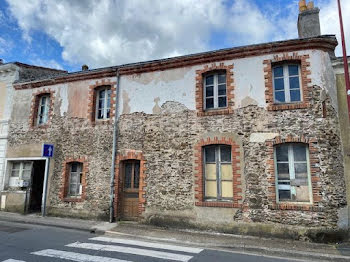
x,y
103,103
286,83
292,171
43,109
215,92
218,174
75,179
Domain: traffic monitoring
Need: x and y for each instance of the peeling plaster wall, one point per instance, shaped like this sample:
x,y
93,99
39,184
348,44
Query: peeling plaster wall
x,y
145,92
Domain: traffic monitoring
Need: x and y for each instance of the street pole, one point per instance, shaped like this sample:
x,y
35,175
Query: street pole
x,y
345,58
43,200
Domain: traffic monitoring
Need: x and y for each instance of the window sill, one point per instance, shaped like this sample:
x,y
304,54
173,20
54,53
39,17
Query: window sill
x,y
73,199
102,121
218,204
44,126
287,106
295,206
213,112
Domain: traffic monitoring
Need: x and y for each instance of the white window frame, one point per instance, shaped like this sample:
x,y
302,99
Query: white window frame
x,y
291,163
105,108
79,186
14,180
286,83
215,89
219,179
46,109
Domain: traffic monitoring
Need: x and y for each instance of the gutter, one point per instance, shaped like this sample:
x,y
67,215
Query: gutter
x,y
114,151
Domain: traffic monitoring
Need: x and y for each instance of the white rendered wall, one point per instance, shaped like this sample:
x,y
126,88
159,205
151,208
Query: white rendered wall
x,y
146,92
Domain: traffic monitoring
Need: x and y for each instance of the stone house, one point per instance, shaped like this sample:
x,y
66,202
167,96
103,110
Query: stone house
x,y
9,74
240,135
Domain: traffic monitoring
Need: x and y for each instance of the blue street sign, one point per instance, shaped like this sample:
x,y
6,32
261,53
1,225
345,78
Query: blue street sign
x,y
47,150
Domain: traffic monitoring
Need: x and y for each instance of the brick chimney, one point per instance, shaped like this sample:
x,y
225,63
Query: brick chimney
x,y
308,20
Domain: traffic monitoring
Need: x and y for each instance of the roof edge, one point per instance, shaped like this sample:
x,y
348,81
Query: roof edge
x,y
324,42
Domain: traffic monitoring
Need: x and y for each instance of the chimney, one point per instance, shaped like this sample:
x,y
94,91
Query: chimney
x,y
84,68
308,20
1,61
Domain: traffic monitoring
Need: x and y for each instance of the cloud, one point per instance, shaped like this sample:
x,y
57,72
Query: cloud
x,y
46,63
110,32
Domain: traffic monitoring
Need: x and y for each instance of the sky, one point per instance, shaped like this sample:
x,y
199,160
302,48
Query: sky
x,y
66,34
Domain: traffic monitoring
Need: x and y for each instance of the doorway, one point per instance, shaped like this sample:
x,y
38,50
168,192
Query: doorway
x,y
37,183
130,189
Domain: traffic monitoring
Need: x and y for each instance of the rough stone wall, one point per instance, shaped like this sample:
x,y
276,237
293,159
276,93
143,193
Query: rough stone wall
x,y
167,142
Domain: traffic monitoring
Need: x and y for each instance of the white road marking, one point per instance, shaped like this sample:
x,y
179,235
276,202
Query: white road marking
x,y
13,260
148,244
131,250
75,256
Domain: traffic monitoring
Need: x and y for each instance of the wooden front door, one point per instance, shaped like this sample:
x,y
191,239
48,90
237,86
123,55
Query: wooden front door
x,y
130,198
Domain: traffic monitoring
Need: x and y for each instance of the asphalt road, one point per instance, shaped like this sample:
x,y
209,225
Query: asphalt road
x,y
23,242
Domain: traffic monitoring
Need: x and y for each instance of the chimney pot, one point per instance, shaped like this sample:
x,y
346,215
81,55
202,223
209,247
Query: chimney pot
x,y
310,5
302,5
84,68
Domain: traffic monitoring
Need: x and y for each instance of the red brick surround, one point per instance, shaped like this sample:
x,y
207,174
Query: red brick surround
x,y
129,155
305,74
91,114
35,106
236,170
65,179
229,90
315,170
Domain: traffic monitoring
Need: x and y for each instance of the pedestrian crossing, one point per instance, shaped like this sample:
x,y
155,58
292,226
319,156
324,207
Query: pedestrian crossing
x,y
108,249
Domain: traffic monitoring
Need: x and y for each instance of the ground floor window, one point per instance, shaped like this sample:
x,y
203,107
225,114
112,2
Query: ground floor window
x,y
292,172
218,173
20,173
75,179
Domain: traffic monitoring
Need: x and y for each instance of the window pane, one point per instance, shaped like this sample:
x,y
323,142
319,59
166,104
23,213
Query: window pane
x,y
209,80
16,166
302,194
294,83
108,112
225,153
74,178
283,171
27,165
74,167
100,114
293,70
209,103
299,151
282,152
279,97
137,175
210,171
301,173
284,195
101,103
221,90
73,191
279,84
226,172
209,91
278,71
222,101
210,189
128,174
26,175
209,154
15,173
227,189
222,79
295,95
102,94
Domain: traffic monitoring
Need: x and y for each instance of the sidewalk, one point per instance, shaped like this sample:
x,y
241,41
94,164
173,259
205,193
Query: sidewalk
x,y
209,240
69,223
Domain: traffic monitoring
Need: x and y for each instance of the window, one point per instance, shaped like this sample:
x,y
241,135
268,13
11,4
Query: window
x,y
292,171
43,109
75,179
218,172
20,171
132,175
215,91
103,103
286,83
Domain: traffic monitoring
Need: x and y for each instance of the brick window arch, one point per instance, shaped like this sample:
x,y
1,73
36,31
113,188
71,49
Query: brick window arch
x,y
214,95
202,198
